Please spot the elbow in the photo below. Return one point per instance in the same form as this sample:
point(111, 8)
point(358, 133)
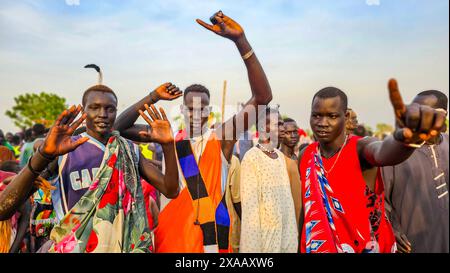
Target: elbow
point(172, 194)
point(264, 100)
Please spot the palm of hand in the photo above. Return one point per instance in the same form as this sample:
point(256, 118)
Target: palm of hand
point(161, 132)
point(58, 141)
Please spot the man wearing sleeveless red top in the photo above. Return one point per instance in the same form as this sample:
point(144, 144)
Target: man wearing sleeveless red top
point(342, 190)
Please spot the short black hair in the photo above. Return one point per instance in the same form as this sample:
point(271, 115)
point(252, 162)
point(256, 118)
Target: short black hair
point(332, 92)
point(39, 129)
point(289, 120)
point(16, 140)
point(98, 88)
point(441, 97)
point(196, 88)
point(28, 133)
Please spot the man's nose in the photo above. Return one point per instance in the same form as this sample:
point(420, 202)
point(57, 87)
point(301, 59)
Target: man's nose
point(103, 112)
point(322, 122)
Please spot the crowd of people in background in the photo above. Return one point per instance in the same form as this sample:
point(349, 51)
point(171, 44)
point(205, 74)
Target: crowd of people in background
point(98, 182)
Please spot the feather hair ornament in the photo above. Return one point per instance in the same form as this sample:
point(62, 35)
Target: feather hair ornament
point(97, 68)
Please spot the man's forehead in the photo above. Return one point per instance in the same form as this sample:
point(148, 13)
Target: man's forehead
point(327, 104)
point(99, 97)
point(291, 125)
point(193, 98)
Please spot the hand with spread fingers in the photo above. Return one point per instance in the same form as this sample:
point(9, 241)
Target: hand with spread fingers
point(167, 91)
point(161, 131)
point(224, 26)
point(58, 141)
point(415, 123)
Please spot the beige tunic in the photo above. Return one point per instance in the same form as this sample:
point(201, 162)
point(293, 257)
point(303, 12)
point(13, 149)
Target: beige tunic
point(268, 213)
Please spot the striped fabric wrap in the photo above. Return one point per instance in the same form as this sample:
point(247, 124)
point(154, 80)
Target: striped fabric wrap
point(321, 235)
point(213, 221)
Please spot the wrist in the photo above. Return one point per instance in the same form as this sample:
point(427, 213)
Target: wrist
point(154, 97)
point(44, 155)
point(241, 41)
point(37, 163)
point(168, 145)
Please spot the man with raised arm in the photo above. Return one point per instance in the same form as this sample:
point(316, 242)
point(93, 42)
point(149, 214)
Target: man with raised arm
point(343, 194)
point(98, 198)
point(198, 220)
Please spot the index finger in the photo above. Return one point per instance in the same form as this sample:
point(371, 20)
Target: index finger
point(396, 99)
point(163, 113)
point(205, 25)
point(145, 117)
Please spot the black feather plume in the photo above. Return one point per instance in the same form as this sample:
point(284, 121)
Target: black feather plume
point(97, 68)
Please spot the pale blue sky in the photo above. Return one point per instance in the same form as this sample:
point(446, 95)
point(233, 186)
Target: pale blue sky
point(303, 46)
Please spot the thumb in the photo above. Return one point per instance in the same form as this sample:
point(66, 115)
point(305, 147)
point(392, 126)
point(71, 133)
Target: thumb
point(403, 134)
point(77, 143)
point(144, 134)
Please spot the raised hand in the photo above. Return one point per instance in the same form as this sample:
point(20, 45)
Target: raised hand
point(414, 122)
point(167, 91)
point(58, 141)
point(161, 130)
point(223, 26)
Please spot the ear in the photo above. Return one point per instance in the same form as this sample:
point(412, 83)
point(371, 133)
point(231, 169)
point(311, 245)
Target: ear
point(347, 114)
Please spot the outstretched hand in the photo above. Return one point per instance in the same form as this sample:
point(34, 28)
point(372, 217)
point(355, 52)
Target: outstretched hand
point(58, 141)
point(224, 26)
point(414, 122)
point(168, 91)
point(161, 131)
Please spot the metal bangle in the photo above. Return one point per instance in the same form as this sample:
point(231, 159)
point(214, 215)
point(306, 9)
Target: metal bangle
point(248, 55)
point(31, 168)
point(415, 145)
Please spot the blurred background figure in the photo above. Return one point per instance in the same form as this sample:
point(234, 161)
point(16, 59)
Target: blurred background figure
point(352, 121)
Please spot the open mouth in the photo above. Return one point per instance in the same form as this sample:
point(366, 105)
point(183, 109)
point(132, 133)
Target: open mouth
point(102, 125)
point(322, 133)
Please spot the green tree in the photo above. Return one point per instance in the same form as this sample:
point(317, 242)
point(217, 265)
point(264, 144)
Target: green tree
point(383, 129)
point(179, 119)
point(41, 108)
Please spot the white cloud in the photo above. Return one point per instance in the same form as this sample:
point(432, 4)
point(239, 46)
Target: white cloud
point(73, 2)
point(373, 2)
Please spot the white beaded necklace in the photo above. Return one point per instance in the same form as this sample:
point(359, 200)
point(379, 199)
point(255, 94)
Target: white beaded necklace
point(264, 149)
